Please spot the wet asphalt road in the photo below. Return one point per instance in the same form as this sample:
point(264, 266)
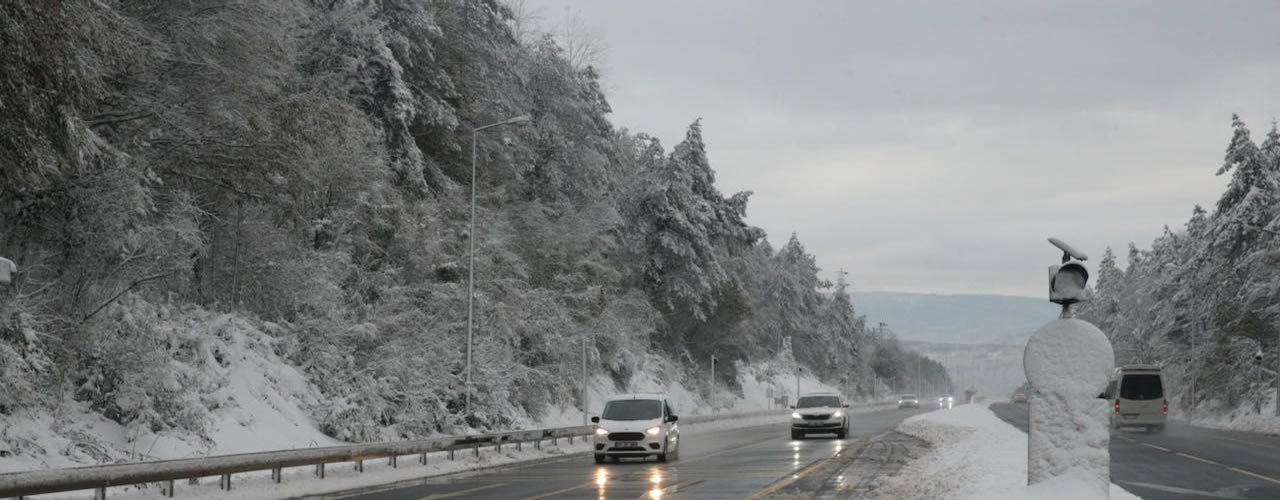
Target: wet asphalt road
point(735, 463)
point(1185, 462)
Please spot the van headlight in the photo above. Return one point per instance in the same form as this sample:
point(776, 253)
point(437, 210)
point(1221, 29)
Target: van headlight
point(838, 414)
point(653, 431)
point(795, 415)
point(601, 431)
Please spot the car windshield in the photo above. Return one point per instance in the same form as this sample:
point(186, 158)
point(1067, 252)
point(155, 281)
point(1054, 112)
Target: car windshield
point(1141, 387)
point(818, 402)
point(633, 409)
point(908, 396)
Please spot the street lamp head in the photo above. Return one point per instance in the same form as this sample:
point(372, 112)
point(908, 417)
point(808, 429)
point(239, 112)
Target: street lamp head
point(519, 120)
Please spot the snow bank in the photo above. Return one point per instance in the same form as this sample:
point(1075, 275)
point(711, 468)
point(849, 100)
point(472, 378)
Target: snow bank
point(977, 456)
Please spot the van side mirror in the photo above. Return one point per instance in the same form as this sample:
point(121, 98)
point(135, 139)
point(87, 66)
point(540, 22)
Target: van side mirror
point(595, 420)
point(792, 407)
point(846, 405)
point(673, 418)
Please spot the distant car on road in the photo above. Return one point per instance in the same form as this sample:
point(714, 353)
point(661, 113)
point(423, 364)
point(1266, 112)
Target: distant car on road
point(908, 401)
point(1137, 395)
point(819, 413)
point(1019, 397)
point(946, 401)
point(637, 425)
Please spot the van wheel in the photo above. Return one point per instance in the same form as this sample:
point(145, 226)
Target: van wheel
point(1156, 429)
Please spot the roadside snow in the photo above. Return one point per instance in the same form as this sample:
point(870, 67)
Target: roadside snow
point(977, 456)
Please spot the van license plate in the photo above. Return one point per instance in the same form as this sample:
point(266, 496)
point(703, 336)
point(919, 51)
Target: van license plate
point(1130, 415)
point(626, 444)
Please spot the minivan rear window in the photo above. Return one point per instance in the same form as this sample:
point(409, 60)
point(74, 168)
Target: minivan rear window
point(1141, 387)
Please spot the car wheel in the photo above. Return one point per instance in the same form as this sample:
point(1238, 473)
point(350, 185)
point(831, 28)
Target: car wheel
point(600, 458)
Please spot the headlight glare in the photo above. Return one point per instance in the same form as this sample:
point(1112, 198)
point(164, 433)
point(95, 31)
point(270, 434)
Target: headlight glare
point(838, 414)
point(795, 414)
point(601, 431)
point(653, 431)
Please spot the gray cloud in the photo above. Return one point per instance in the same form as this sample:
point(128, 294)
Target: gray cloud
point(931, 146)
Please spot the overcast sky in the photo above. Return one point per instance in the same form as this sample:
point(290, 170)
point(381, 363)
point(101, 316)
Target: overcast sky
point(933, 146)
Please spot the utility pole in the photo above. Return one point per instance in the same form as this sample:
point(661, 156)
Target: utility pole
point(585, 399)
point(799, 370)
point(1195, 367)
point(918, 379)
point(713, 383)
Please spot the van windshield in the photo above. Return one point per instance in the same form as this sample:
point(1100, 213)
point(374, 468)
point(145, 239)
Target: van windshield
point(1141, 387)
point(633, 409)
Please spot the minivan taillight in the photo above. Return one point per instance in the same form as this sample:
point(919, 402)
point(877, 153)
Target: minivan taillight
point(1165, 409)
point(1117, 407)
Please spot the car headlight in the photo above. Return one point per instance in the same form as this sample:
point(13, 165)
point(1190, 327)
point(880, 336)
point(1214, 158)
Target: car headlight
point(795, 415)
point(653, 431)
point(838, 414)
point(601, 431)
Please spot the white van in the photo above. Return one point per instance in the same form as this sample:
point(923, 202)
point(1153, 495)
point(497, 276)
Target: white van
point(637, 425)
point(1136, 393)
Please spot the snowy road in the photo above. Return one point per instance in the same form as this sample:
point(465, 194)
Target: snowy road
point(1186, 462)
point(735, 463)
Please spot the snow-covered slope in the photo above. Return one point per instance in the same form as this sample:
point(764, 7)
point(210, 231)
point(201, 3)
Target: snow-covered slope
point(254, 400)
point(251, 400)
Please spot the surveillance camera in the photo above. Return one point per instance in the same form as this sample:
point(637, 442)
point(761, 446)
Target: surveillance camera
point(1068, 251)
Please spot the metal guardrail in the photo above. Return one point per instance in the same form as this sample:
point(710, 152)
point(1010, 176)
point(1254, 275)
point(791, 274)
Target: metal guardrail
point(165, 472)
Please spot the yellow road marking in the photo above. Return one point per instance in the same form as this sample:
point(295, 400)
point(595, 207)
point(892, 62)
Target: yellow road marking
point(796, 476)
point(1193, 457)
point(436, 496)
point(1254, 474)
point(1149, 445)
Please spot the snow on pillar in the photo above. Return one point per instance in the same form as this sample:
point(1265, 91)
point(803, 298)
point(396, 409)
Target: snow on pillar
point(1068, 362)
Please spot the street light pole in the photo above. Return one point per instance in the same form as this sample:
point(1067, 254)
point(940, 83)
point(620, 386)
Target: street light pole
point(585, 399)
point(471, 247)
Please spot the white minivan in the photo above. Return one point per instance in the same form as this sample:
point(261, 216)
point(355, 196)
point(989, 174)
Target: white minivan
point(637, 425)
point(1136, 393)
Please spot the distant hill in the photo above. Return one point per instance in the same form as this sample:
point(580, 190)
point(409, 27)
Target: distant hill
point(956, 319)
point(992, 369)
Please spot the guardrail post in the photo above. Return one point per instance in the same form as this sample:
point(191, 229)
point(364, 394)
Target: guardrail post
point(224, 482)
point(571, 439)
point(553, 441)
point(477, 449)
point(498, 447)
point(360, 466)
point(166, 488)
point(451, 454)
point(320, 471)
point(423, 458)
point(100, 494)
point(276, 472)
point(392, 461)
point(519, 445)
point(537, 444)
